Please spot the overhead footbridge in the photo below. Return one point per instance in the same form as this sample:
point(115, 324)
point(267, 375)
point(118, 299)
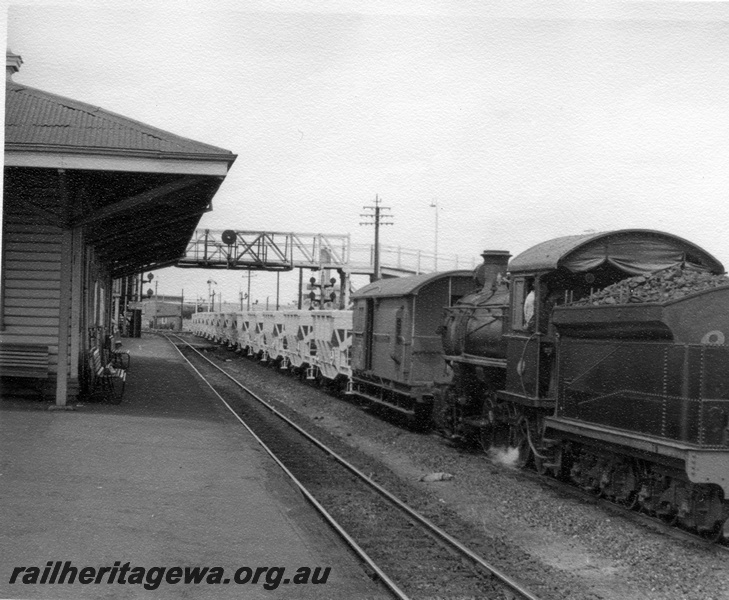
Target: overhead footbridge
point(285, 251)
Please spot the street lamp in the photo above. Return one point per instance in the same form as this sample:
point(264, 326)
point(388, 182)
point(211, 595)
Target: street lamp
point(434, 204)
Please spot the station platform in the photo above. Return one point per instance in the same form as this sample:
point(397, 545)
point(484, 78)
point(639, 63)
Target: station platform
point(167, 479)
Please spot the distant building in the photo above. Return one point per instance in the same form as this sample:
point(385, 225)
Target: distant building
point(166, 313)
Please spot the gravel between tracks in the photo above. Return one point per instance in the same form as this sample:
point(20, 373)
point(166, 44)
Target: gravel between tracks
point(558, 545)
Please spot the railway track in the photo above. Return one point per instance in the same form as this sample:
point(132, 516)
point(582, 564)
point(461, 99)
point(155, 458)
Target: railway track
point(637, 517)
point(407, 553)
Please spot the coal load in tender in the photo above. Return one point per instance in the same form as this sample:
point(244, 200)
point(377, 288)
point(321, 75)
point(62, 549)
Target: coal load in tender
point(661, 286)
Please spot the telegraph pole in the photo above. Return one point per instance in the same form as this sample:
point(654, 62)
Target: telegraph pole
point(377, 219)
point(248, 305)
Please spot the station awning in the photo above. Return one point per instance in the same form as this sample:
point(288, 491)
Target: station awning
point(137, 191)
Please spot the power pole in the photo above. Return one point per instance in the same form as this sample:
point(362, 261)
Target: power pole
point(377, 219)
point(248, 305)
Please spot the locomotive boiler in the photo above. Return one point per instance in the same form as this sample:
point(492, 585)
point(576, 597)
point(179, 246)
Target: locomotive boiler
point(474, 349)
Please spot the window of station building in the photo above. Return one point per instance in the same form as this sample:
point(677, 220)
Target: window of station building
point(2, 275)
point(95, 305)
point(99, 305)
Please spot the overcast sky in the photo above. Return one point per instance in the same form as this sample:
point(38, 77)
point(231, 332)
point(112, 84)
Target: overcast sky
point(522, 123)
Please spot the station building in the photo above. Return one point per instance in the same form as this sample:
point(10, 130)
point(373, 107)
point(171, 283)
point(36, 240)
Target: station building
point(89, 197)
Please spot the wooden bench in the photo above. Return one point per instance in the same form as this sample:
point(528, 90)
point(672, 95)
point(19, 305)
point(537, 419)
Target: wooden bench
point(27, 361)
point(121, 359)
point(109, 379)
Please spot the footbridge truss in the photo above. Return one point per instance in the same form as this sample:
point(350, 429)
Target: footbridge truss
point(285, 251)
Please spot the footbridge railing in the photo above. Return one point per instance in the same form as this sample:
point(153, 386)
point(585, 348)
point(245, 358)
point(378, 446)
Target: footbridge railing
point(265, 250)
point(285, 251)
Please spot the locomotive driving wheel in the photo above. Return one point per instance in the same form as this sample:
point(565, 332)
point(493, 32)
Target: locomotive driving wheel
point(632, 500)
point(444, 413)
point(720, 532)
point(519, 442)
point(493, 432)
point(667, 513)
point(486, 433)
point(486, 436)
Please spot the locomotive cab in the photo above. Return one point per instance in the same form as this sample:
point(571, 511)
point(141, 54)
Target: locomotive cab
point(530, 338)
point(547, 275)
point(559, 272)
point(529, 343)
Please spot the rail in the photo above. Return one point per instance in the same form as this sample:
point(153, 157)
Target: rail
point(446, 539)
point(391, 586)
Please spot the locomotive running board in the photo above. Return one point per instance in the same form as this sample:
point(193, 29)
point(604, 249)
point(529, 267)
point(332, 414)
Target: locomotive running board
point(377, 400)
point(620, 437)
point(481, 361)
point(548, 402)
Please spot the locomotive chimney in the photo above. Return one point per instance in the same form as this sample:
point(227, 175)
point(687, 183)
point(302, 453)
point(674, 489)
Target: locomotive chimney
point(12, 63)
point(494, 264)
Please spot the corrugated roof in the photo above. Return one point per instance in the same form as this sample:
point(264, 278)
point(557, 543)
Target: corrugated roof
point(404, 286)
point(548, 255)
point(37, 118)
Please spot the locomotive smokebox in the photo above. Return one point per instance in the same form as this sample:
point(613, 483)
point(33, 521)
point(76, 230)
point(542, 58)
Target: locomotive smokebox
point(474, 326)
point(494, 265)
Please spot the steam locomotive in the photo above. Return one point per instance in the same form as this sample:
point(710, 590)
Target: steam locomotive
point(628, 399)
point(626, 395)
